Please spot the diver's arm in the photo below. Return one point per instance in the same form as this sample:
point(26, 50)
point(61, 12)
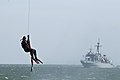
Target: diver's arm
point(28, 41)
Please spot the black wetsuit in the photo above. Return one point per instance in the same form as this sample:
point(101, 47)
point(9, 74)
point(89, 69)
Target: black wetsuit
point(26, 46)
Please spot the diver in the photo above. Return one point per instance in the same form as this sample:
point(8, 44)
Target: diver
point(27, 48)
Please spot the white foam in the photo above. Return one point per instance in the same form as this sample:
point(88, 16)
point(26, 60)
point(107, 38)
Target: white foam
point(6, 77)
point(93, 78)
point(24, 76)
point(91, 73)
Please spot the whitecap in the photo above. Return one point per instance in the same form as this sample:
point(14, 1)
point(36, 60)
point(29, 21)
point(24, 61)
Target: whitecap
point(24, 76)
point(93, 78)
point(91, 73)
point(67, 76)
point(6, 77)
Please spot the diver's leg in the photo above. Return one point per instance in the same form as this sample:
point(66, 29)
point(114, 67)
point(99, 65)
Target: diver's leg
point(32, 56)
point(36, 56)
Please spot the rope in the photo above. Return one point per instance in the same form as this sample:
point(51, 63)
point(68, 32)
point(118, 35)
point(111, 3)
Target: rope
point(28, 29)
point(28, 32)
point(31, 64)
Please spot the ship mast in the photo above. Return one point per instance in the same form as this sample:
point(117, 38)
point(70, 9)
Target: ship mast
point(98, 47)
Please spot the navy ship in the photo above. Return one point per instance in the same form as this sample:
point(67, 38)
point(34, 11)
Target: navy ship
point(96, 59)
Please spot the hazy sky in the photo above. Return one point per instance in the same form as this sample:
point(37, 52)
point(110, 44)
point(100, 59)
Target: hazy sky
point(62, 31)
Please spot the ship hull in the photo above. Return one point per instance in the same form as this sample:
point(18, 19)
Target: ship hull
point(89, 64)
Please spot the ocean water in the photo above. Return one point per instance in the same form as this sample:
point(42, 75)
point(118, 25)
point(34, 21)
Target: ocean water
point(56, 72)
